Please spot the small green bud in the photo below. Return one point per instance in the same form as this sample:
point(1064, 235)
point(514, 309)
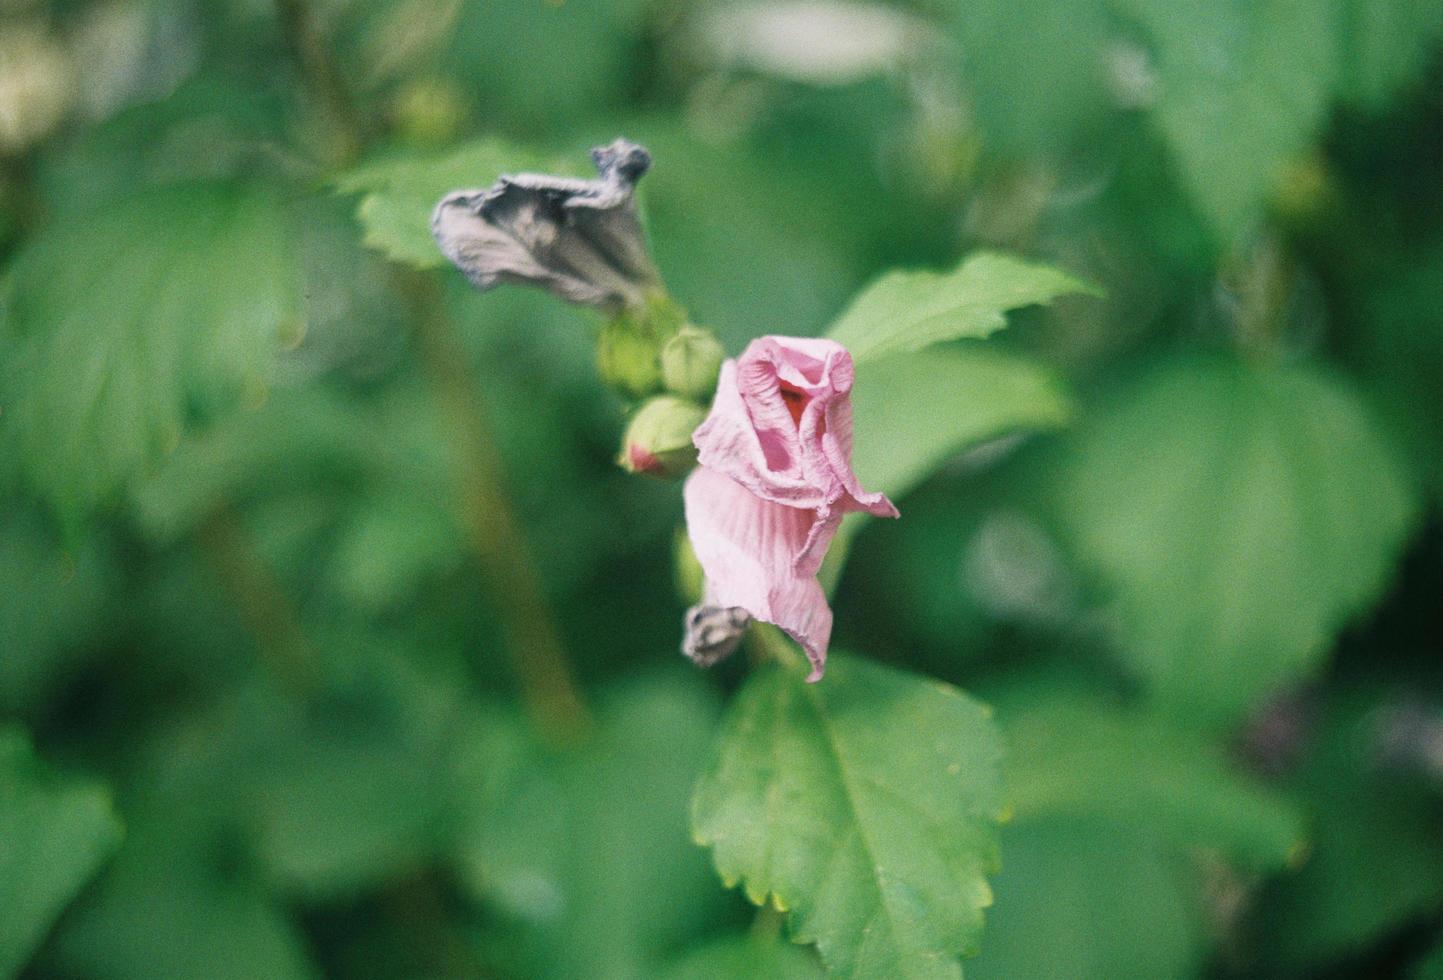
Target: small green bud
point(627, 358)
point(628, 350)
point(690, 362)
point(658, 440)
point(690, 580)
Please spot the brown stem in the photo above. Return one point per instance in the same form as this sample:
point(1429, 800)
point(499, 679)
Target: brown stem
point(322, 77)
point(268, 614)
point(499, 543)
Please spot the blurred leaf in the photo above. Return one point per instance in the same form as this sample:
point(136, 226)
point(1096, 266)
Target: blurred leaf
point(914, 411)
point(120, 323)
point(399, 193)
point(753, 957)
point(1243, 88)
point(1038, 69)
point(1088, 900)
point(52, 602)
point(539, 64)
point(54, 836)
point(1376, 862)
point(866, 804)
point(1239, 515)
point(1077, 755)
point(907, 311)
point(587, 848)
point(1401, 347)
point(1432, 966)
point(1386, 45)
point(296, 439)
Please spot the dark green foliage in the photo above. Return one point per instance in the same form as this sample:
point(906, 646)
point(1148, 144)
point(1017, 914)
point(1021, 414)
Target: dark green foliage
point(334, 643)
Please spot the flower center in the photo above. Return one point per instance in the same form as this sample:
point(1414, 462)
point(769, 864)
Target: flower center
point(796, 401)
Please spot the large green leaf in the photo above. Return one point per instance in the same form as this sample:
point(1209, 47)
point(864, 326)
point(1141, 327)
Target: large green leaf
point(399, 193)
point(909, 310)
point(1089, 900)
point(867, 806)
point(1073, 754)
point(119, 325)
point(913, 411)
point(586, 848)
point(54, 835)
point(1239, 515)
point(1243, 86)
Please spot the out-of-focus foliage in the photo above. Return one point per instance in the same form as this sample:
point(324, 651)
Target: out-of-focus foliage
point(334, 643)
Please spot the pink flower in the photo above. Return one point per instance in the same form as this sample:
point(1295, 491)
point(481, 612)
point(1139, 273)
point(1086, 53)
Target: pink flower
point(774, 482)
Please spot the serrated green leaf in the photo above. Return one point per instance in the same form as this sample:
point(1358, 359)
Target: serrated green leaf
point(866, 805)
point(1076, 755)
point(1239, 515)
point(1243, 88)
point(587, 848)
point(910, 310)
point(399, 193)
point(1089, 900)
point(54, 836)
point(119, 325)
point(752, 957)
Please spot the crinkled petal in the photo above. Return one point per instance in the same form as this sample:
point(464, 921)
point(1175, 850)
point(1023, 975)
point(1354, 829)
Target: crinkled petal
point(581, 239)
point(803, 462)
point(747, 548)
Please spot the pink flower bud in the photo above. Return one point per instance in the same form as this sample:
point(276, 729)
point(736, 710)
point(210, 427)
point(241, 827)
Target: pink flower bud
point(774, 483)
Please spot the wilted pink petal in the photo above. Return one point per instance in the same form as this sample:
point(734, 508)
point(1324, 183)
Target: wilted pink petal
point(748, 546)
point(775, 481)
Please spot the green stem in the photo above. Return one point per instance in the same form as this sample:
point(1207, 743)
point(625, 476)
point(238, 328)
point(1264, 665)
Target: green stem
point(268, 615)
point(497, 539)
point(322, 78)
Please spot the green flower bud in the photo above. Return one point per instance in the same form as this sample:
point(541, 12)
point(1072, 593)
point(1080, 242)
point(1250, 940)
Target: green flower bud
point(687, 570)
point(690, 362)
point(628, 350)
point(658, 440)
point(628, 359)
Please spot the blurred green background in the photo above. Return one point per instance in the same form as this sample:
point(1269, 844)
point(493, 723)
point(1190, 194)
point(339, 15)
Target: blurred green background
point(333, 642)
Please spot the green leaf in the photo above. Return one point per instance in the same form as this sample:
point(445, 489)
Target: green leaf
point(1243, 87)
point(54, 836)
point(53, 605)
point(914, 411)
point(1088, 900)
point(1239, 515)
point(399, 193)
point(1073, 754)
point(866, 805)
point(909, 310)
point(1038, 70)
point(1386, 45)
point(587, 848)
point(120, 324)
point(756, 957)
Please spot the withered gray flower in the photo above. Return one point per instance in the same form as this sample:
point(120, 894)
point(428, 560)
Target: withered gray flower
point(713, 632)
point(581, 239)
